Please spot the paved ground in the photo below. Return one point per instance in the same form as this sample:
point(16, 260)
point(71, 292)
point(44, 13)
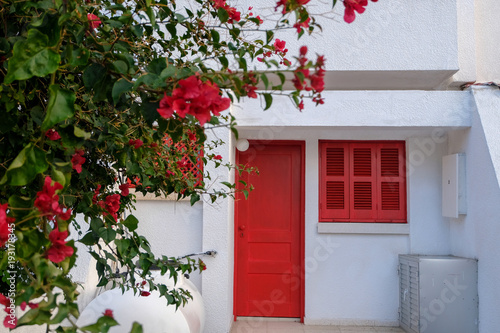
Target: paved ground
point(294, 327)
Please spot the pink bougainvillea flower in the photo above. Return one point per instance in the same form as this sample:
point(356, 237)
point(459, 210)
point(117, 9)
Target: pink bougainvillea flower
point(31, 305)
point(250, 90)
point(301, 105)
point(279, 45)
point(303, 50)
point(52, 134)
point(77, 160)
point(217, 157)
point(124, 189)
point(136, 143)
point(354, 5)
point(9, 322)
point(111, 205)
point(145, 293)
point(47, 201)
point(4, 224)
point(300, 25)
point(108, 313)
point(96, 193)
point(195, 97)
point(59, 251)
point(94, 21)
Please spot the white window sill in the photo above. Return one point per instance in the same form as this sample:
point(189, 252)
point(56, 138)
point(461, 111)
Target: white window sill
point(364, 228)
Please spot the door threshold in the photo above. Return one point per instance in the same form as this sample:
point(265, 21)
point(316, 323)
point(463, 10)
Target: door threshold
point(241, 318)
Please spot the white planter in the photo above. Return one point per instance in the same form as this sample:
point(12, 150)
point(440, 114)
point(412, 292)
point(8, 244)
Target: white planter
point(150, 311)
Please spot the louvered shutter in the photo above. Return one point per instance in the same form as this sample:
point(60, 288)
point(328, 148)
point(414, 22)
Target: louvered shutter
point(363, 194)
point(334, 182)
point(391, 178)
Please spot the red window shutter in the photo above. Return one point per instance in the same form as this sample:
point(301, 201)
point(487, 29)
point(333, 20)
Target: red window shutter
point(391, 172)
point(363, 194)
point(334, 182)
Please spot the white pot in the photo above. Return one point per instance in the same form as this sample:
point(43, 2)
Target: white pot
point(150, 311)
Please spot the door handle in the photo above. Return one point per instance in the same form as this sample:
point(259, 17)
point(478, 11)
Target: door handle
point(242, 228)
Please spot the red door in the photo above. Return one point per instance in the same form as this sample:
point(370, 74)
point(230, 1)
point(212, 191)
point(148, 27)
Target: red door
point(269, 232)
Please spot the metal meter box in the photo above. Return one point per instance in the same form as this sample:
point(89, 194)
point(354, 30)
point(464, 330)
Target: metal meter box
point(438, 294)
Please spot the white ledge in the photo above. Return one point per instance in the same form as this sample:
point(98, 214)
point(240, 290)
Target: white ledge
point(152, 197)
point(364, 228)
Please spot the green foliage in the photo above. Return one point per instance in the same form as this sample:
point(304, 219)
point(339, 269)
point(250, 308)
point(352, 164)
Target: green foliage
point(79, 96)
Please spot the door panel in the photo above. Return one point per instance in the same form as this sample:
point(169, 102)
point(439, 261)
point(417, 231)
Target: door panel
point(268, 233)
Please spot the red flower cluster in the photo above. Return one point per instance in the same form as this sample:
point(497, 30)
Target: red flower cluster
point(47, 201)
point(94, 21)
point(217, 157)
point(59, 251)
point(234, 15)
point(317, 83)
point(299, 24)
point(77, 160)
point(136, 143)
point(52, 134)
point(251, 88)
point(354, 5)
point(196, 98)
point(10, 320)
point(124, 189)
point(4, 224)
point(111, 205)
point(108, 313)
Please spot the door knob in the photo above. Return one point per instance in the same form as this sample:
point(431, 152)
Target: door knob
point(241, 227)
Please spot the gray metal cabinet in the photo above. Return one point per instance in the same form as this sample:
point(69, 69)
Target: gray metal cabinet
point(438, 294)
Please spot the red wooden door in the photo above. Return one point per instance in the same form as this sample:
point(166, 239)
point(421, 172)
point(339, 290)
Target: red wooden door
point(269, 233)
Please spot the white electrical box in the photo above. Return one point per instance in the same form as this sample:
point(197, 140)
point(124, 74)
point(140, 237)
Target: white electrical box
point(454, 197)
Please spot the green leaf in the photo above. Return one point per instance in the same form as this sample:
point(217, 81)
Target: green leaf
point(107, 234)
point(120, 66)
point(215, 36)
point(222, 14)
point(265, 80)
point(149, 112)
point(80, 57)
point(269, 100)
point(32, 57)
point(81, 133)
point(61, 106)
point(93, 74)
point(89, 239)
point(136, 328)
point(30, 162)
point(131, 222)
point(194, 198)
point(269, 36)
point(121, 86)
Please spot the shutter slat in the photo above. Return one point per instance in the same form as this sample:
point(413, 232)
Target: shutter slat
point(335, 162)
point(363, 195)
point(362, 162)
point(335, 195)
point(389, 162)
point(390, 196)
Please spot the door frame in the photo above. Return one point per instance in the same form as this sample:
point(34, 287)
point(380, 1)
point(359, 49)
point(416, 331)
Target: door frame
point(302, 145)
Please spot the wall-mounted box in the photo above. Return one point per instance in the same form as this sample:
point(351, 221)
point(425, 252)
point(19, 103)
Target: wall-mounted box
point(454, 197)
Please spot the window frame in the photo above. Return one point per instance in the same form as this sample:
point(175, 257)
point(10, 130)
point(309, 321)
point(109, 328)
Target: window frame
point(347, 213)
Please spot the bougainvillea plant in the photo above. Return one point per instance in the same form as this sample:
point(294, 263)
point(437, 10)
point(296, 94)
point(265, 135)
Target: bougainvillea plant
point(89, 92)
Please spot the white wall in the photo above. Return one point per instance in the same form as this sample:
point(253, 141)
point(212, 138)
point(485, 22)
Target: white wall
point(173, 228)
point(476, 234)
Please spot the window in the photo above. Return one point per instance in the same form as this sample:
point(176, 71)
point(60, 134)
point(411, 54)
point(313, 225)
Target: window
point(362, 181)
